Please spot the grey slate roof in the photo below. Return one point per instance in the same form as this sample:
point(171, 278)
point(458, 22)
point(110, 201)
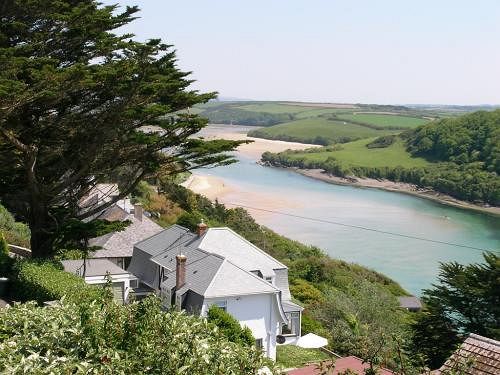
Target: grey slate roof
point(199, 273)
point(121, 243)
point(218, 263)
point(95, 267)
point(173, 236)
point(411, 302)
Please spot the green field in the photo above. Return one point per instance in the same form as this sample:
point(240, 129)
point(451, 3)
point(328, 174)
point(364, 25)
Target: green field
point(273, 108)
point(384, 120)
point(356, 154)
point(307, 130)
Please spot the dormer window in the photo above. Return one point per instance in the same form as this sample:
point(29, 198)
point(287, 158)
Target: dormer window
point(269, 280)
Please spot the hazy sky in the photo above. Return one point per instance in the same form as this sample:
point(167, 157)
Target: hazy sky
point(371, 51)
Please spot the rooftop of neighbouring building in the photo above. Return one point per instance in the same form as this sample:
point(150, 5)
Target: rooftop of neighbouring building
point(477, 355)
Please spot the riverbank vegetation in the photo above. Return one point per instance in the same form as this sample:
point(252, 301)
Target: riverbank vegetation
point(456, 156)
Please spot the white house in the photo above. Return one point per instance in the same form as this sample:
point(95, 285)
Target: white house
point(217, 266)
point(96, 272)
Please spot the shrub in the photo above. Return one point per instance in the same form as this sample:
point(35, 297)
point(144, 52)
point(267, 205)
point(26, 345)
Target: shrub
point(230, 327)
point(112, 339)
point(305, 291)
point(5, 261)
point(46, 281)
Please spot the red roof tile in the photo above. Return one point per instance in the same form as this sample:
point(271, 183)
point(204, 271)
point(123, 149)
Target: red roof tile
point(352, 363)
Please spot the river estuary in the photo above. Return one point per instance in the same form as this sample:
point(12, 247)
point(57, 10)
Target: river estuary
point(413, 263)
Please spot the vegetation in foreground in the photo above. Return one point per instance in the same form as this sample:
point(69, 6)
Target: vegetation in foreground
point(456, 156)
point(102, 337)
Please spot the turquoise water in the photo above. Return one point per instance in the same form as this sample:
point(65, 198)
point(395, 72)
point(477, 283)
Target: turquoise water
point(413, 263)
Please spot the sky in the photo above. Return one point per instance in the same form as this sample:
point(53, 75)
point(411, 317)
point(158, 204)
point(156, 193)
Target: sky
point(349, 51)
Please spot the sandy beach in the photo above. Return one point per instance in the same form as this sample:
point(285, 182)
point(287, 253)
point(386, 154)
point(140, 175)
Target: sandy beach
point(257, 146)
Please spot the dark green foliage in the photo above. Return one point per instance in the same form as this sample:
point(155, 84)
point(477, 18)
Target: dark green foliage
point(466, 139)
point(465, 300)
point(74, 98)
point(6, 261)
point(47, 281)
point(382, 142)
point(226, 114)
point(230, 327)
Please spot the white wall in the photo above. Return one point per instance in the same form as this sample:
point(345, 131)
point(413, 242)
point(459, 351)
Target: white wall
point(123, 278)
point(257, 312)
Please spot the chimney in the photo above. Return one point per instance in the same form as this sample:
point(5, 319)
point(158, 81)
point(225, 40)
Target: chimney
point(138, 211)
point(201, 229)
point(180, 271)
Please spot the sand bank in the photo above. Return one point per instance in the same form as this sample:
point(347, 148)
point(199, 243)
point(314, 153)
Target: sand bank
point(400, 187)
point(258, 146)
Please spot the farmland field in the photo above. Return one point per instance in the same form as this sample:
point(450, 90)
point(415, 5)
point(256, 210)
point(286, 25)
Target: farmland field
point(307, 130)
point(356, 154)
point(384, 120)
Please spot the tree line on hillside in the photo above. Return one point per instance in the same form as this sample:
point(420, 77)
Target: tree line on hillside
point(232, 115)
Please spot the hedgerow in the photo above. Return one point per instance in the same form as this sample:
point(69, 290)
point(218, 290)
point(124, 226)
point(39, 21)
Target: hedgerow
point(138, 338)
point(47, 281)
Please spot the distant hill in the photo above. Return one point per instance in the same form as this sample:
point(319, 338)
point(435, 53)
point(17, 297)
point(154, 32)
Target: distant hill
point(456, 156)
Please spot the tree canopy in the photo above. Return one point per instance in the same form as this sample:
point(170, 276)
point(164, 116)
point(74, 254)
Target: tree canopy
point(81, 104)
point(465, 300)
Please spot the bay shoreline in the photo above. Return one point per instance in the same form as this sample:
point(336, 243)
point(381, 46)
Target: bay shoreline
point(396, 187)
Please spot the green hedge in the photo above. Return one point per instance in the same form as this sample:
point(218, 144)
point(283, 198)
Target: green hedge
point(47, 281)
point(230, 327)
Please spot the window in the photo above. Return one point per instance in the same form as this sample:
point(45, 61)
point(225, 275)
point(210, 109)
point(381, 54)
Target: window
point(134, 283)
point(221, 304)
point(269, 280)
point(293, 327)
point(259, 344)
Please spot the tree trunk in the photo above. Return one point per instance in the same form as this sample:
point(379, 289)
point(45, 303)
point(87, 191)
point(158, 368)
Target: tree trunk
point(42, 238)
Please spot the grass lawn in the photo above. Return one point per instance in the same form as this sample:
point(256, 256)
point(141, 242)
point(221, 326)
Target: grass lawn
point(293, 356)
point(310, 128)
point(385, 120)
point(357, 154)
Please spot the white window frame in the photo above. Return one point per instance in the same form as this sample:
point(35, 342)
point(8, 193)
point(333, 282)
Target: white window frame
point(221, 304)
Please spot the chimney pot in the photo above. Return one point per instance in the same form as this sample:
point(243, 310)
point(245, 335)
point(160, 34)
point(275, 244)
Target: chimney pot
point(180, 271)
point(201, 229)
point(138, 211)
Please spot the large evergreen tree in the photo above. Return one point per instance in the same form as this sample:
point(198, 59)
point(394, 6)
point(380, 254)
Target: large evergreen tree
point(75, 99)
point(466, 300)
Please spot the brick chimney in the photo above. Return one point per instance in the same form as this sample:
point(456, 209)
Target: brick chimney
point(180, 271)
point(201, 229)
point(138, 211)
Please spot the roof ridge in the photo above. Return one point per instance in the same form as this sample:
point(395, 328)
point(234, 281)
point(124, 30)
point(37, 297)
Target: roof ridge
point(251, 244)
point(253, 275)
point(483, 339)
